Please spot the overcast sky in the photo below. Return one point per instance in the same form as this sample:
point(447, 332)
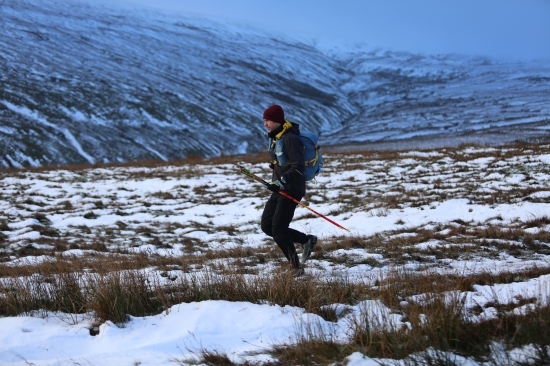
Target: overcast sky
point(498, 28)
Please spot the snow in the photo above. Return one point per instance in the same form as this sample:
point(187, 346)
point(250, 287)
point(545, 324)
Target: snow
point(36, 116)
point(238, 328)
point(235, 327)
point(215, 196)
point(69, 136)
point(24, 223)
point(358, 359)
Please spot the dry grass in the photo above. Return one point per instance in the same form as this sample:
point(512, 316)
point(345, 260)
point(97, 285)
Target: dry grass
point(112, 279)
point(437, 323)
point(106, 287)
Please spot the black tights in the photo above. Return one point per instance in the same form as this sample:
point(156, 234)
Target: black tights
point(276, 218)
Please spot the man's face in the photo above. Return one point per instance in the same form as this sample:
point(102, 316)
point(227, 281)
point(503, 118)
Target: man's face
point(270, 125)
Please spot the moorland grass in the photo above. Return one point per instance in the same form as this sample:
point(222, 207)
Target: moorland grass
point(109, 283)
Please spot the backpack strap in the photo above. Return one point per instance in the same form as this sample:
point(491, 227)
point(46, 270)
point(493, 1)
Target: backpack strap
point(313, 161)
point(272, 148)
point(277, 145)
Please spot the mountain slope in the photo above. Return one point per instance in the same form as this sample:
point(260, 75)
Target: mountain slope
point(403, 95)
point(84, 83)
point(89, 83)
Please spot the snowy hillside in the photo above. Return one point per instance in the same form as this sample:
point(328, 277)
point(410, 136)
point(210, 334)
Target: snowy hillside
point(89, 83)
point(402, 95)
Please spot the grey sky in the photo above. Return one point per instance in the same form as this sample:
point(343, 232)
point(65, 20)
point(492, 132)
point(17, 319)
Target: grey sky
point(498, 28)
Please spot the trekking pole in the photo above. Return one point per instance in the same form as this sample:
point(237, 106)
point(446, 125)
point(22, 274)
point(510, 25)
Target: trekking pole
point(247, 172)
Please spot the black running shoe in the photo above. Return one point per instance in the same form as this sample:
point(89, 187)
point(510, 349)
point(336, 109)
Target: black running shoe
point(308, 247)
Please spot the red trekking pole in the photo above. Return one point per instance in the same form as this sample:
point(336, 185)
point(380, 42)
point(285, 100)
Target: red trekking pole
point(255, 177)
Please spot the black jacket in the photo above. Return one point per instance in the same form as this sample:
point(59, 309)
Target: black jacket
point(293, 171)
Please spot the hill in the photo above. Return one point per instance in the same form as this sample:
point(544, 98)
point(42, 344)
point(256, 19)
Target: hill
point(85, 83)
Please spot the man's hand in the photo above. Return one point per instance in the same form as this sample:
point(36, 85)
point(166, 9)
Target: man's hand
point(275, 186)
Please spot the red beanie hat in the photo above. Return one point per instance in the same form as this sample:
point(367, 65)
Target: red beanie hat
point(275, 113)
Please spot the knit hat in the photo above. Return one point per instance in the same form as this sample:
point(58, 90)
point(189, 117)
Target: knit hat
point(275, 113)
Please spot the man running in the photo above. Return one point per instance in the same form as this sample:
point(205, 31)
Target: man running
point(287, 162)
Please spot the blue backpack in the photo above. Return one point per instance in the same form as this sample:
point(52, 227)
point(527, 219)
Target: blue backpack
point(312, 157)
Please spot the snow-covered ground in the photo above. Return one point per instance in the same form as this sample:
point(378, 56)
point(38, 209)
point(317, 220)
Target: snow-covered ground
point(395, 195)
